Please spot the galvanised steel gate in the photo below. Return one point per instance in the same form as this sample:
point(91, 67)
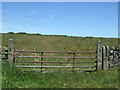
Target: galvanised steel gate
point(72, 62)
point(43, 63)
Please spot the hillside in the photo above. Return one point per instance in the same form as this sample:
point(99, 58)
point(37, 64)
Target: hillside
point(55, 43)
point(13, 77)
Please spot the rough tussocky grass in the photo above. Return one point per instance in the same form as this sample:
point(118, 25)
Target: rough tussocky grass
point(14, 78)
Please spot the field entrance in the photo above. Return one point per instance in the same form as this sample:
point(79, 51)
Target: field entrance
point(55, 61)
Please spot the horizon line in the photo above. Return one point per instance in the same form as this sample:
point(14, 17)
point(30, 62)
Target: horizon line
point(56, 35)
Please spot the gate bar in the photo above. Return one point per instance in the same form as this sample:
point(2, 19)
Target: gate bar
point(56, 66)
point(49, 57)
point(50, 62)
point(54, 51)
point(58, 70)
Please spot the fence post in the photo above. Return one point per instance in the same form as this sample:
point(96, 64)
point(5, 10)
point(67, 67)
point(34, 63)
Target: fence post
point(10, 51)
point(107, 55)
point(99, 56)
point(105, 59)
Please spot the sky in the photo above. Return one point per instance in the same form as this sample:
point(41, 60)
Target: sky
point(96, 19)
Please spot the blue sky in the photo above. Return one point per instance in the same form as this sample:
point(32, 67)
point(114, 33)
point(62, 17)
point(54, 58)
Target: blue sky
point(97, 19)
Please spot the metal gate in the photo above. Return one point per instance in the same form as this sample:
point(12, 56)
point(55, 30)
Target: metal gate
point(58, 61)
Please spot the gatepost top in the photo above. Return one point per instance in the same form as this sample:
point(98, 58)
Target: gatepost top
point(99, 41)
point(10, 39)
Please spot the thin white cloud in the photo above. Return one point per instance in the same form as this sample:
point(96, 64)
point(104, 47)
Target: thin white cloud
point(52, 17)
point(32, 13)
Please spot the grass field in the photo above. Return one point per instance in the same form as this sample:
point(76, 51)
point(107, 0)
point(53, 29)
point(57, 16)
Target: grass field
point(15, 78)
point(56, 43)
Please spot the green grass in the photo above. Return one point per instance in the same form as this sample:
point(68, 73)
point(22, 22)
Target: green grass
point(54, 43)
point(13, 77)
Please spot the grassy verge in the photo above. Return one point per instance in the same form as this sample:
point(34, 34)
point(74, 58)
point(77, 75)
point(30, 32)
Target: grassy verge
point(14, 78)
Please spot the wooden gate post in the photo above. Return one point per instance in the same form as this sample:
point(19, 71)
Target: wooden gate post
point(105, 59)
point(10, 51)
point(99, 56)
